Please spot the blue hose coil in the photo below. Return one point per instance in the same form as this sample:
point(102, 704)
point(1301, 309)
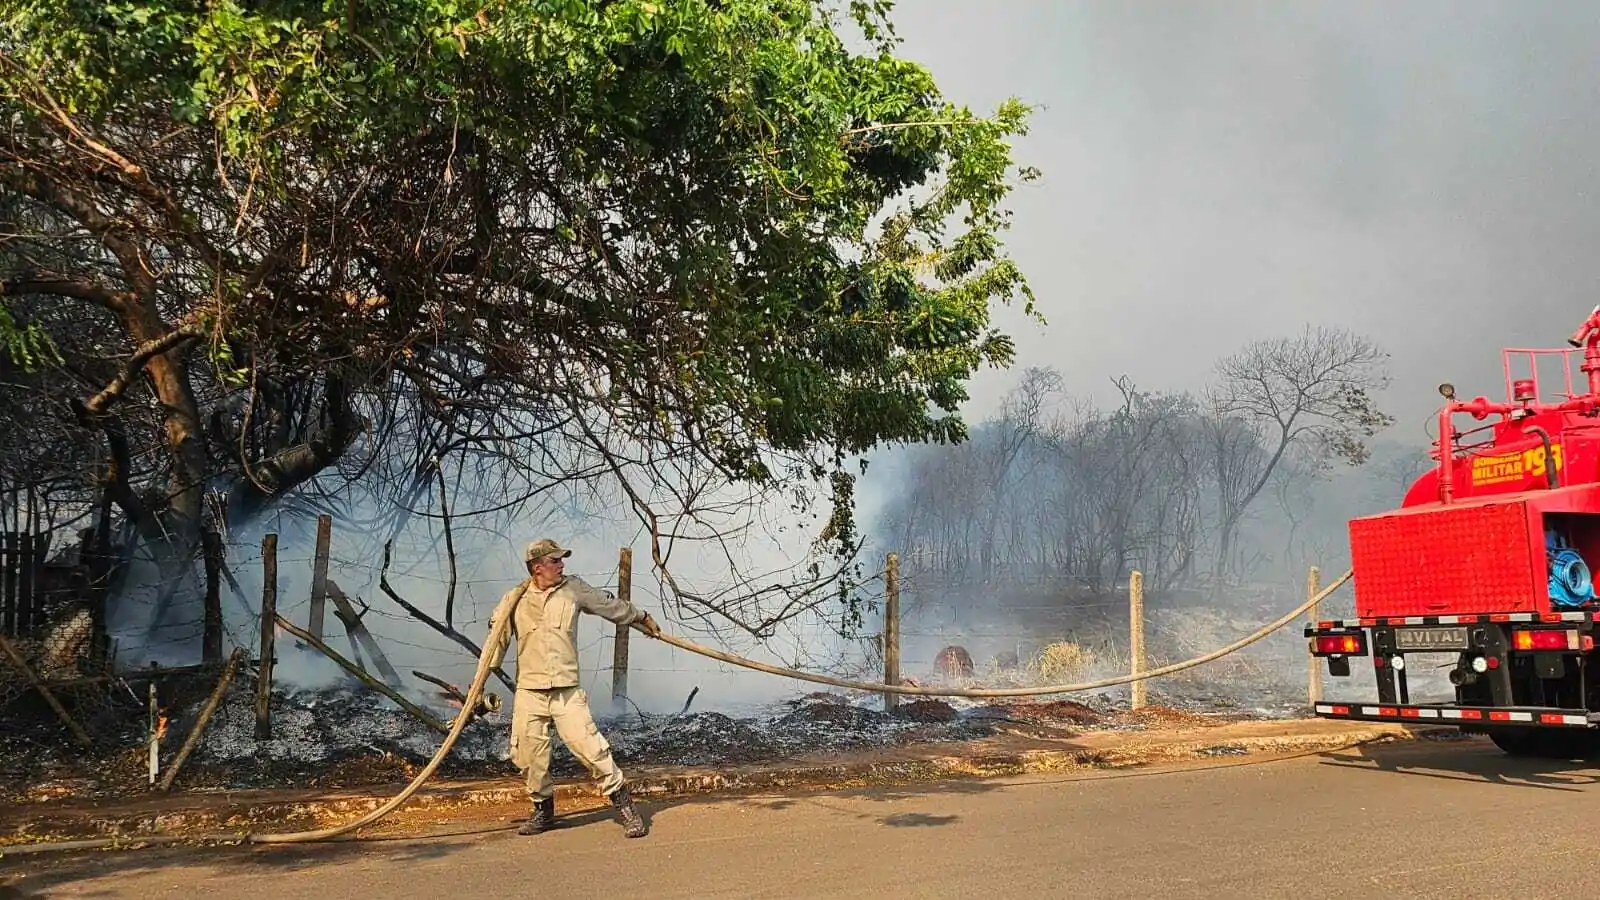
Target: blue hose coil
point(1571, 585)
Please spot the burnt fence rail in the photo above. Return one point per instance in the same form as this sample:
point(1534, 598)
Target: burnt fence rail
point(51, 606)
point(23, 602)
point(56, 681)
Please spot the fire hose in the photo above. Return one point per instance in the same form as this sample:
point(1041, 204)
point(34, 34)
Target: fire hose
point(475, 693)
point(1245, 641)
point(468, 707)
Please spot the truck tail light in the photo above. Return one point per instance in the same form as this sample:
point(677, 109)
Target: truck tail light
point(1340, 643)
point(1544, 639)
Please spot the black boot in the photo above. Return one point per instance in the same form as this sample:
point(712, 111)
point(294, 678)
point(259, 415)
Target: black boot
point(632, 823)
point(543, 818)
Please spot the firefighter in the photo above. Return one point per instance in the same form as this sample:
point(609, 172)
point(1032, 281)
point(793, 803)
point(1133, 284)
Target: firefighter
point(544, 612)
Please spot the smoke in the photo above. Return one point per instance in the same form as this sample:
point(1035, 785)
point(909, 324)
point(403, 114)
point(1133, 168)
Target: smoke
point(488, 562)
point(1219, 172)
point(1009, 561)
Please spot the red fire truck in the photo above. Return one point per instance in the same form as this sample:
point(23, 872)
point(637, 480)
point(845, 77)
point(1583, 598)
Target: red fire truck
point(1484, 562)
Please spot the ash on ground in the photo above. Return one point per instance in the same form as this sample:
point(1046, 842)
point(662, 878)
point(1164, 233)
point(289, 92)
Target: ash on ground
point(317, 737)
point(351, 736)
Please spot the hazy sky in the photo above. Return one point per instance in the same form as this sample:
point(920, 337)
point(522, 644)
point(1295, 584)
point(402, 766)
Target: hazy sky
point(1215, 172)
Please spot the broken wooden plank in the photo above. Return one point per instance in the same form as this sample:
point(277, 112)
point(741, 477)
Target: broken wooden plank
point(212, 702)
point(415, 710)
point(359, 634)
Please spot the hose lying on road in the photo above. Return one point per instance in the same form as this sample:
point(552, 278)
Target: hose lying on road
point(475, 693)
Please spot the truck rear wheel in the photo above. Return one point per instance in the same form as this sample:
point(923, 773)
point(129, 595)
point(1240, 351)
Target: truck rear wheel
point(1545, 744)
point(1516, 741)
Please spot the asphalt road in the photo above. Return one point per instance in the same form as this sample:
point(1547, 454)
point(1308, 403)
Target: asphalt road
point(1415, 820)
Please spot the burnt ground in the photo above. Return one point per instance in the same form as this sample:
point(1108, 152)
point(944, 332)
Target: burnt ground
point(354, 738)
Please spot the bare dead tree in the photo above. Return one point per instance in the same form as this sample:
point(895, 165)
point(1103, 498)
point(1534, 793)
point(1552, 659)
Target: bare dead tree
point(1004, 440)
point(1312, 390)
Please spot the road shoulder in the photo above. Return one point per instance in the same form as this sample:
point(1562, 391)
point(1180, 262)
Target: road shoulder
point(242, 811)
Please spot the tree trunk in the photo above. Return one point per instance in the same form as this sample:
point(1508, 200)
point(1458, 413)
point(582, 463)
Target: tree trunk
point(293, 466)
point(1225, 535)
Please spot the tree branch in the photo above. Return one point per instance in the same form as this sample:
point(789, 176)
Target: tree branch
point(450, 549)
point(113, 233)
point(59, 285)
point(431, 622)
point(172, 340)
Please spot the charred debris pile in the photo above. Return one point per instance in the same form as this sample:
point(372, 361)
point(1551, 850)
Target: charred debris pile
point(350, 736)
point(371, 730)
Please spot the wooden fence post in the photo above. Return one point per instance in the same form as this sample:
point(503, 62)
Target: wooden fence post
point(269, 628)
point(153, 733)
point(319, 575)
point(619, 647)
point(891, 628)
point(1313, 663)
point(1136, 635)
point(30, 552)
point(10, 568)
point(211, 648)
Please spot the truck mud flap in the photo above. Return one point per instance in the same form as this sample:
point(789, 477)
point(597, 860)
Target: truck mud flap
point(1475, 716)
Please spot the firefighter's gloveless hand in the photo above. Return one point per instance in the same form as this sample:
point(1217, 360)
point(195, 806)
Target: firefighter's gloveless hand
point(650, 627)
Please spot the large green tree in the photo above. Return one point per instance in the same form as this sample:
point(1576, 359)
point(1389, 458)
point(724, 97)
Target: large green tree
point(247, 246)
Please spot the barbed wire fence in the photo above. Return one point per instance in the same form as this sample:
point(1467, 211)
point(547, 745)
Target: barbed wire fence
point(961, 635)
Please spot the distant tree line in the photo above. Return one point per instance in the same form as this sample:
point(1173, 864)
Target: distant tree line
point(1256, 471)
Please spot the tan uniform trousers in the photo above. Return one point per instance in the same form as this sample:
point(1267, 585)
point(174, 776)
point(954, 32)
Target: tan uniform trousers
point(568, 709)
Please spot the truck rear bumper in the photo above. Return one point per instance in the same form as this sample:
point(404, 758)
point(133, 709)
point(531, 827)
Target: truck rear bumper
point(1450, 714)
point(1580, 616)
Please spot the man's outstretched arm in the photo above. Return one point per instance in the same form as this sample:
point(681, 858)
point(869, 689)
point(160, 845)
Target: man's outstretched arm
point(613, 608)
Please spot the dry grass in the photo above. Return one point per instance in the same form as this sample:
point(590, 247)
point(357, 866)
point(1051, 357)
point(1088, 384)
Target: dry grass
point(1062, 662)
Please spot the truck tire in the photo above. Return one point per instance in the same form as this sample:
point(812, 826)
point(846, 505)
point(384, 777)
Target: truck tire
point(1546, 744)
point(1516, 741)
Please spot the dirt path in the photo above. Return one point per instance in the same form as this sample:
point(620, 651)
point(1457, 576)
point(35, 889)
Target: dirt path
point(1024, 751)
point(1360, 828)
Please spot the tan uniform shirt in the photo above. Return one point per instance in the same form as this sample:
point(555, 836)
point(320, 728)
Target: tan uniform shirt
point(546, 627)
